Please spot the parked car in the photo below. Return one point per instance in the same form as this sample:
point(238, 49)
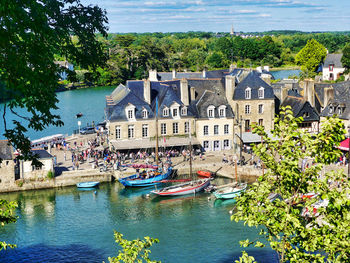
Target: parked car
point(87, 130)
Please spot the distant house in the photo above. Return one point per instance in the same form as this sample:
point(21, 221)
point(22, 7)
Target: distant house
point(332, 67)
point(64, 65)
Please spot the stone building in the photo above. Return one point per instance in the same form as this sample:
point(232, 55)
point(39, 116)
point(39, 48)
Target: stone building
point(7, 164)
point(29, 171)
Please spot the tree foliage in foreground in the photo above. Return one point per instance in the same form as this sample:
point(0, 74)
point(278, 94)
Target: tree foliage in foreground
point(310, 57)
point(31, 34)
point(133, 251)
point(345, 60)
point(7, 216)
point(295, 234)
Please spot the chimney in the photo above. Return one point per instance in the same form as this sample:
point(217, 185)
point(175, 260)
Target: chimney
point(284, 91)
point(152, 75)
point(230, 85)
point(308, 91)
point(204, 74)
point(267, 68)
point(232, 67)
point(184, 92)
point(266, 78)
point(193, 93)
point(328, 95)
point(147, 90)
point(259, 69)
point(174, 74)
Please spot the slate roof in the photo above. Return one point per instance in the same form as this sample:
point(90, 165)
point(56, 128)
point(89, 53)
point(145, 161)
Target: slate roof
point(254, 82)
point(341, 99)
point(334, 59)
point(209, 98)
point(6, 150)
point(301, 108)
point(42, 154)
point(179, 75)
point(209, 84)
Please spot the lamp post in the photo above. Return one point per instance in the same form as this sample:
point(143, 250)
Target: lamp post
point(79, 124)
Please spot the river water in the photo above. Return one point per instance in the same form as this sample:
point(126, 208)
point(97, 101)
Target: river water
point(70, 225)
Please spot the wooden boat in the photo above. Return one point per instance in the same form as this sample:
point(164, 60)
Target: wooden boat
point(142, 180)
point(87, 184)
point(191, 187)
point(230, 192)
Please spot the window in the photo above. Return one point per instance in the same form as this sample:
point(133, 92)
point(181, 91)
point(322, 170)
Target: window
point(184, 111)
point(261, 122)
point(117, 132)
point(226, 129)
point(261, 108)
point(330, 109)
point(187, 127)
point(205, 130)
point(261, 93)
point(226, 144)
point(247, 125)
point(222, 111)
point(163, 128)
point(175, 128)
point(144, 130)
point(211, 110)
point(144, 114)
point(216, 129)
point(340, 111)
point(306, 115)
point(131, 131)
point(247, 109)
point(206, 144)
point(175, 112)
point(216, 145)
point(248, 92)
point(331, 67)
point(130, 114)
point(165, 112)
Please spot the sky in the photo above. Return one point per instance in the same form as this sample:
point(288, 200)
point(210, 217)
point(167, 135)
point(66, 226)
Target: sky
point(218, 16)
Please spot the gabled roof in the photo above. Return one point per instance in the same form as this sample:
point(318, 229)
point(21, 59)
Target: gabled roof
point(209, 98)
point(42, 154)
point(333, 59)
point(254, 82)
point(301, 108)
point(6, 150)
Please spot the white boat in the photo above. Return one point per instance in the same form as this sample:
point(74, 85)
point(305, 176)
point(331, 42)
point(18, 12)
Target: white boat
point(184, 189)
point(230, 192)
point(87, 184)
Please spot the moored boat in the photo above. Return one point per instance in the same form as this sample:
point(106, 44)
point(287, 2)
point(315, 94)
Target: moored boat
point(143, 180)
point(87, 184)
point(204, 173)
point(191, 187)
point(230, 192)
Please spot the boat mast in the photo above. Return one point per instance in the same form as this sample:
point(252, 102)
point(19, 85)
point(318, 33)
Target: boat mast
point(156, 152)
point(190, 149)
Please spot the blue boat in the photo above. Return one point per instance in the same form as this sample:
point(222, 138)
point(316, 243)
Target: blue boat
point(137, 180)
point(87, 184)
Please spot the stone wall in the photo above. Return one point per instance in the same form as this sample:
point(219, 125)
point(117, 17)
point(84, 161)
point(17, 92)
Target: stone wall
point(7, 172)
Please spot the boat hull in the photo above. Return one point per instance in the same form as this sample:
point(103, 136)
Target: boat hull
point(183, 189)
point(205, 174)
point(220, 194)
point(132, 180)
point(87, 184)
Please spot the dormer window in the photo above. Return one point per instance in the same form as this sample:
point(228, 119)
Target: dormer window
point(261, 93)
point(331, 67)
point(211, 113)
point(165, 112)
point(130, 112)
point(184, 111)
point(222, 111)
point(340, 111)
point(144, 114)
point(330, 109)
point(248, 93)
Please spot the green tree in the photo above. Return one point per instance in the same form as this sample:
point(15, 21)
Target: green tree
point(310, 57)
point(345, 60)
point(133, 251)
point(297, 234)
point(31, 33)
point(7, 216)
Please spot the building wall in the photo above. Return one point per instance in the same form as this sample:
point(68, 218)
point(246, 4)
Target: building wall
point(212, 142)
point(7, 171)
point(30, 172)
point(336, 72)
point(151, 127)
point(267, 116)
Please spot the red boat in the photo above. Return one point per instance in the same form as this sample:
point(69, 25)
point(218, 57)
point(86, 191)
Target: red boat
point(203, 173)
